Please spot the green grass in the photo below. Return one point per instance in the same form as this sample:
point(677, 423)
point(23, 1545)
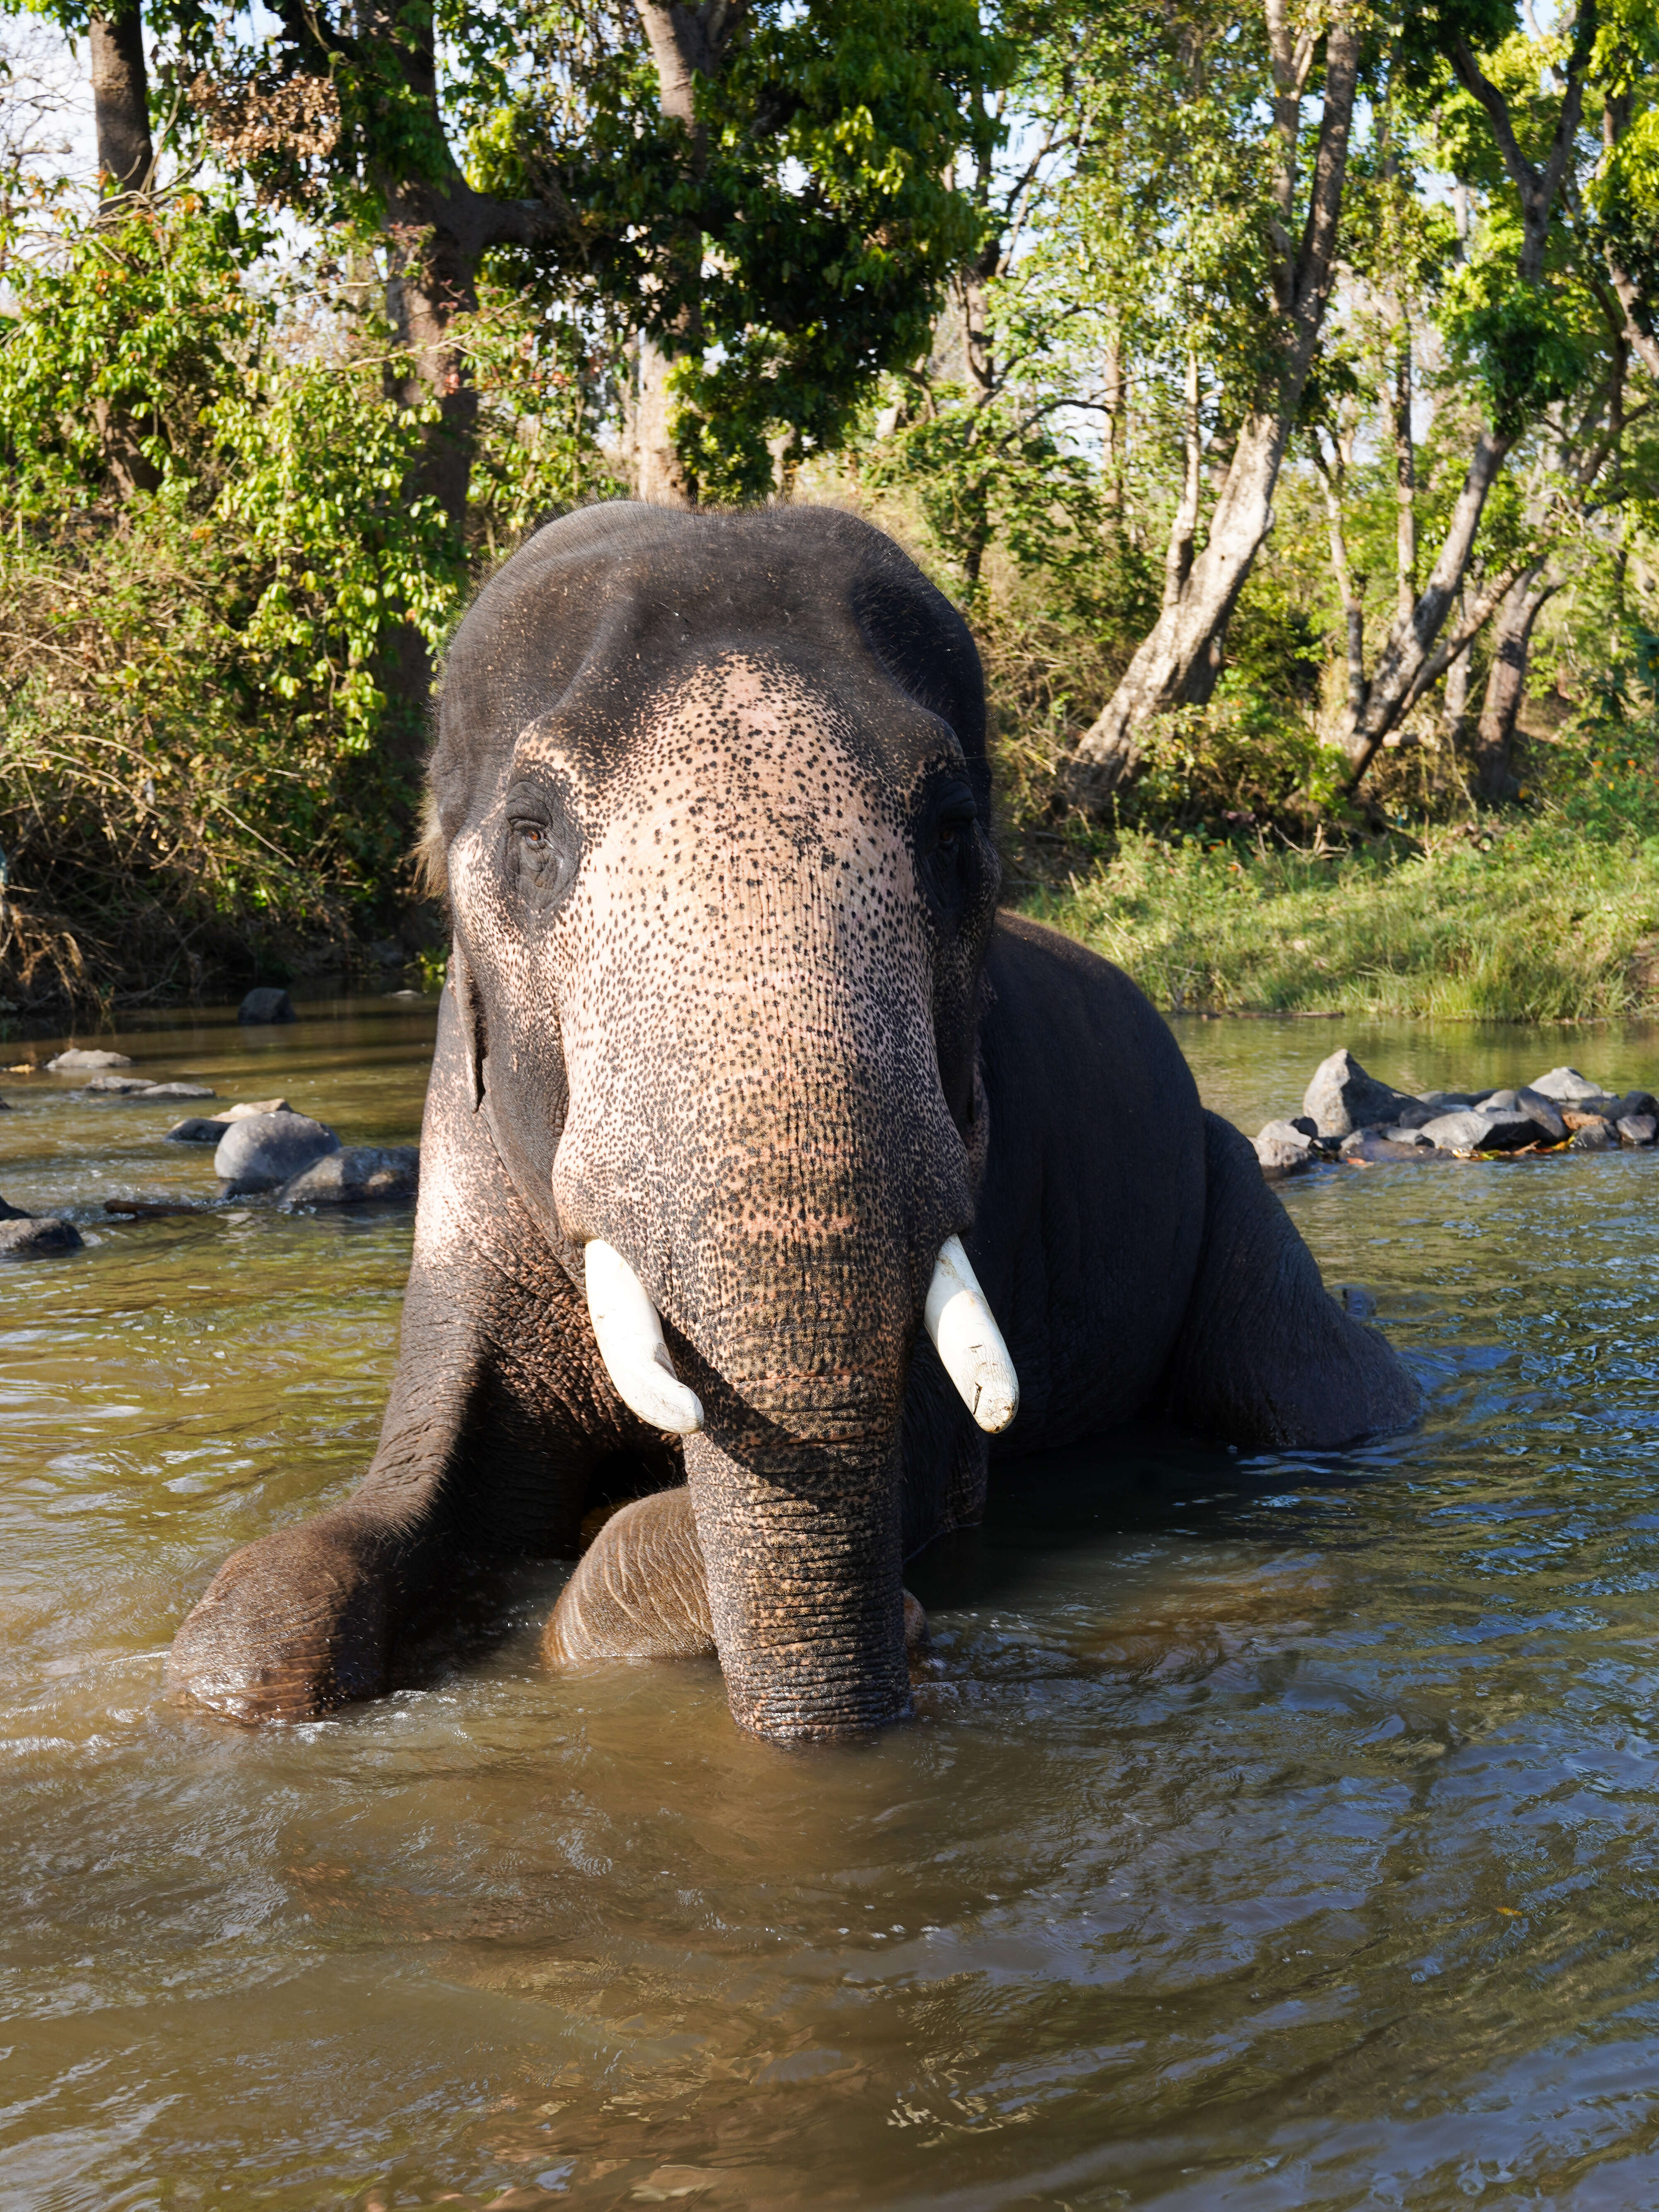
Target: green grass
point(1540, 918)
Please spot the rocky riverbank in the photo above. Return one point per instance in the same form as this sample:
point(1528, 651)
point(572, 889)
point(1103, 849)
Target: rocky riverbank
point(262, 1148)
point(1349, 1115)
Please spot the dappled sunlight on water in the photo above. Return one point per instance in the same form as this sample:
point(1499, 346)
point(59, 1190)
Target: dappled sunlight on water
point(1275, 1833)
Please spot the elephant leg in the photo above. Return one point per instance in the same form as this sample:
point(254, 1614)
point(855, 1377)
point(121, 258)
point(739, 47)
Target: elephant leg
point(477, 1456)
point(1265, 1356)
point(641, 1591)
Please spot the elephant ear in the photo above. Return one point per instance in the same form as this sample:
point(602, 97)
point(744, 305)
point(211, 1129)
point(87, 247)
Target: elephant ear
point(928, 650)
point(470, 1007)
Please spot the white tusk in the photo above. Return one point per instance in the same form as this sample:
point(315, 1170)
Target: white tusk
point(968, 1340)
point(631, 1343)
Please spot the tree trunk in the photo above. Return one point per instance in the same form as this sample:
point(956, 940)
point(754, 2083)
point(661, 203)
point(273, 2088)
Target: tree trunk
point(1616, 115)
point(1506, 685)
point(1409, 665)
point(1114, 455)
point(438, 230)
point(1405, 474)
point(686, 43)
point(1185, 642)
point(1352, 587)
point(1405, 654)
point(1183, 530)
point(120, 103)
point(1454, 710)
point(126, 164)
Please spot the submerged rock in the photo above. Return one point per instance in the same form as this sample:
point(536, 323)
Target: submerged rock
point(176, 1091)
point(76, 1062)
point(195, 1131)
point(1342, 1096)
point(1594, 1133)
point(355, 1173)
point(267, 1149)
point(1366, 1147)
point(207, 1129)
point(119, 1086)
point(34, 1235)
point(267, 1004)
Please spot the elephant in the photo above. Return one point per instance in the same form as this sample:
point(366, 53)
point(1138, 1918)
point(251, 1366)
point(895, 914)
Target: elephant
point(775, 1180)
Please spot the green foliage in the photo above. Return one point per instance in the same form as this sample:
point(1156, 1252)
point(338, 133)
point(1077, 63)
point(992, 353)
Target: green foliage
point(793, 249)
point(1534, 922)
point(147, 320)
point(1525, 342)
point(201, 761)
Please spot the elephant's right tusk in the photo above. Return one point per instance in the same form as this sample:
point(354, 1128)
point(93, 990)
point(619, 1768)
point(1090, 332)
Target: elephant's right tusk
point(968, 1340)
point(631, 1343)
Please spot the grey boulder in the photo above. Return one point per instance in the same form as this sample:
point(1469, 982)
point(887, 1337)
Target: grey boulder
point(119, 1086)
point(1505, 1130)
point(1594, 1133)
point(1566, 1086)
point(175, 1090)
point(1638, 1101)
point(1545, 1112)
point(34, 1235)
point(76, 1062)
point(267, 1004)
point(1342, 1096)
point(1285, 1148)
point(353, 1175)
point(1637, 1128)
point(269, 1149)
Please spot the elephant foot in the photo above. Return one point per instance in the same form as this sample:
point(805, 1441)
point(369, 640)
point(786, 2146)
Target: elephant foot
point(641, 1591)
point(290, 1628)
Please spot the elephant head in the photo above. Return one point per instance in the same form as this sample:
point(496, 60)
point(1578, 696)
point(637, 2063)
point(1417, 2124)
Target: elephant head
point(713, 797)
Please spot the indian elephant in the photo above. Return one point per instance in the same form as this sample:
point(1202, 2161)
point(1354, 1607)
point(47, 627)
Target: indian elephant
point(766, 1166)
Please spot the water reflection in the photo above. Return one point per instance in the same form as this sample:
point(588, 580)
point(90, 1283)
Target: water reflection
point(1274, 1833)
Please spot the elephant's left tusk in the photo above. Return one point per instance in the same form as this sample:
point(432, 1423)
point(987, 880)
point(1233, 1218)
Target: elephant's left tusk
point(631, 1343)
point(968, 1340)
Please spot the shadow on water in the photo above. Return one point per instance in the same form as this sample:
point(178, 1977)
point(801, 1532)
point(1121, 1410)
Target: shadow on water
point(1274, 1831)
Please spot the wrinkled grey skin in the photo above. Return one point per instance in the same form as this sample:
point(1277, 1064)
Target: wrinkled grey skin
point(730, 991)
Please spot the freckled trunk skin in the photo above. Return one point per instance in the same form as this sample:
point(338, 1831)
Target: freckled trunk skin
point(803, 1554)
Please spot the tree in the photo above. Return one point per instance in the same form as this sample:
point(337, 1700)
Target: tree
point(1180, 658)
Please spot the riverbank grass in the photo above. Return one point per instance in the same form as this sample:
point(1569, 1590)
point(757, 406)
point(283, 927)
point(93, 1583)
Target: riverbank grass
point(1532, 919)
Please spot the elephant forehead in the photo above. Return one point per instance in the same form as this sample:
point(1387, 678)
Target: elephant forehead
point(743, 812)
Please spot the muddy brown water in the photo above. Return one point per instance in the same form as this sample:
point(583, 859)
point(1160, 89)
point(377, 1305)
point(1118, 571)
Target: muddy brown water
point(1272, 1832)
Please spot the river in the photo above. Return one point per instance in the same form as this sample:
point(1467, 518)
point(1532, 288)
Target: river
point(1275, 1833)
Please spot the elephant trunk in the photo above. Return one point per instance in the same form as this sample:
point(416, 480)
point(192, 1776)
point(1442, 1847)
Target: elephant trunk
point(793, 1465)
point(802, 1549)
